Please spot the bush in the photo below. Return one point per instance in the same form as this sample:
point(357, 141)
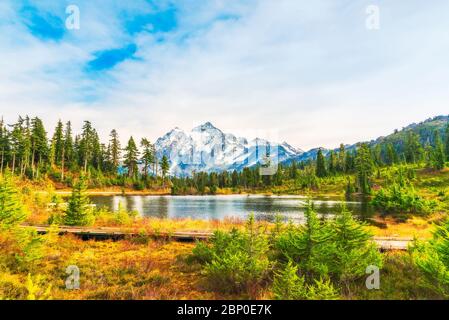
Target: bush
point(235, 261)
point(288, 285)
point(402, 198)
point(339, 249)
point(432, 258)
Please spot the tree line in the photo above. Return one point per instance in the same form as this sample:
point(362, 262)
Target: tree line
point(27, 151)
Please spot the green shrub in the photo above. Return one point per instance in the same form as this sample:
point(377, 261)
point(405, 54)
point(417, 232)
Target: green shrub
point(402, 198)
point(235, 261)
point(79, 212)
point(287, 285)
point(352, 248)
point(306, 245)
point(12, 212)
point(432, 258)
point(339, 249)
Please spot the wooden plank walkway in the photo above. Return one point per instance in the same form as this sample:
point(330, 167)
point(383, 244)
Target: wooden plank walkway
point(104, 233)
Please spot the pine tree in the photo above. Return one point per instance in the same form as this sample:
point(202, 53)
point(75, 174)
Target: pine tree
point(413, 148)
point(12, 212)
point(165, 166)
point(391, 155)
point(115, 150)
point(39, 144)
point(439, 157)
point(235, 179)
point(131, 157)
point(147, 154)
point(86, 145)
point(341, 158)
point(67, 149)
point(320, 164)
point(4, 145)
point(364, 168)
point(447, 142)
point(349, 162)
point(58, 143)
point(79, 212)
point(332, 163)
point(353, 250)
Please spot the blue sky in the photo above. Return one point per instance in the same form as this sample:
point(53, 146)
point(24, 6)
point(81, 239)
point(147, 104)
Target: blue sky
point(311, 71)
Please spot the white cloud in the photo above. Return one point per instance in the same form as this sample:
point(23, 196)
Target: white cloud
point(307, 69)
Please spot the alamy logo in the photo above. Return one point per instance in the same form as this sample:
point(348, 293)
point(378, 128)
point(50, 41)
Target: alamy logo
point(73, 22)
point(373, 280)
point(73, 280)
point(373, 20)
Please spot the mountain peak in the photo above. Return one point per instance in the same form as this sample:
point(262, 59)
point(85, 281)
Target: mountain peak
point(205, 126)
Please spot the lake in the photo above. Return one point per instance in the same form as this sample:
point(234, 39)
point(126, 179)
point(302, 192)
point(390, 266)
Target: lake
point(228, 206)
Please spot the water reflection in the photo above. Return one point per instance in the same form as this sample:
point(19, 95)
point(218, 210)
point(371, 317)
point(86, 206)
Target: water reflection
point(235, 206)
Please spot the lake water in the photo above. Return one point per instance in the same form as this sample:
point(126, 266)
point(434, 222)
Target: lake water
point(227, 206)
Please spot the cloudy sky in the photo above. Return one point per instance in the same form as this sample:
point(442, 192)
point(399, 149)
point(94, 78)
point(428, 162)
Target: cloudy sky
point(310, 72)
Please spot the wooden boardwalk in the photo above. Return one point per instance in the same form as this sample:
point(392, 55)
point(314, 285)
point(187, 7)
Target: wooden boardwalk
point(105, 233)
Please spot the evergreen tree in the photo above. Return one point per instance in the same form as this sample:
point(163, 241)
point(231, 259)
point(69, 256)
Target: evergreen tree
point(4, 146)
point(439, 158)
point(377, 155)
point(332, 162)
point(320, 164)
point(115, 150)
point(58, 143)
point(413, 148)
point(235, 179)
point(86, 145)
point(293, 170)
point(12, 212)
point(391, 156)
point(446, 149)
point(341, 158)
point(364, 168)
point(353, 248)
point(79, 212)
point(349, 162)
point(147, 154)
point(165, 166)
point(68, 149)
point(39, 144)
point(131, 157)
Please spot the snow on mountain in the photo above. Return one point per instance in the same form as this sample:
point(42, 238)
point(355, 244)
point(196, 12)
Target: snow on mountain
point(207, 148)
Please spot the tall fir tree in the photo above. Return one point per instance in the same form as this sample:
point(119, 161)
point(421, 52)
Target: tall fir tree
point(413, 148)
point(39, 144)
point(67, 150)
point(320, 164)
point(147, 155)
point(12, 212)
point(115, 150)
point(439, 157)
point(131, 157)
point(79, 211)
point(58, 143)
point(86, 145)
point(341, 158)
point(446, 142)
point(165, 166)
point(364, 168)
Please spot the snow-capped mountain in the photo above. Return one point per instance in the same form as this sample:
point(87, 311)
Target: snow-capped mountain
point(207, 148)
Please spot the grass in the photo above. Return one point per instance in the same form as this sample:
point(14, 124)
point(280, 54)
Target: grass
point(113, 270)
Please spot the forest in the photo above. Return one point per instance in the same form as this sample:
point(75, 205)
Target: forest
point(26, 151)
